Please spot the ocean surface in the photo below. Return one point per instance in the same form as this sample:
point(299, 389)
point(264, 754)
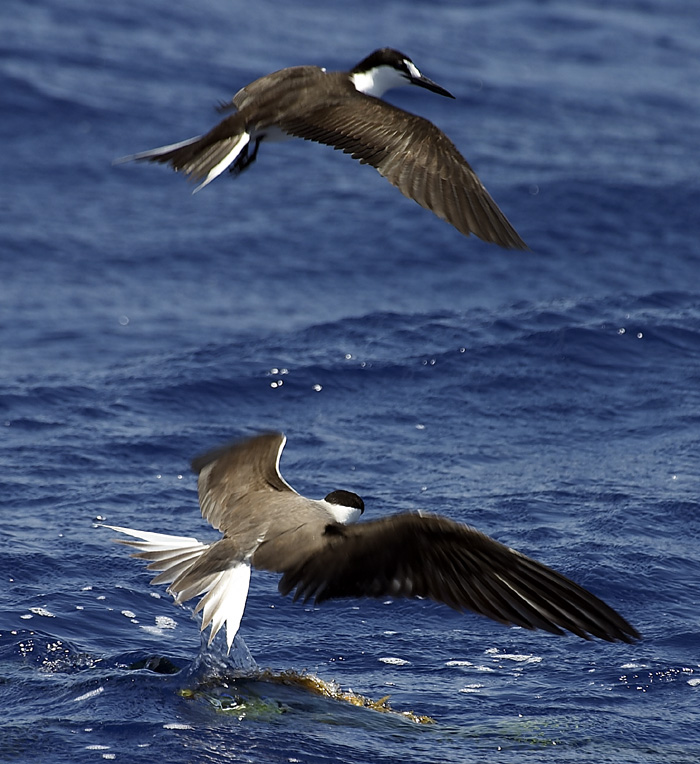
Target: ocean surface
point(550, 398)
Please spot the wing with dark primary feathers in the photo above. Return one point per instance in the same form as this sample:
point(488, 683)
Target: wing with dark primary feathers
point(431, 171)
point(412, 555)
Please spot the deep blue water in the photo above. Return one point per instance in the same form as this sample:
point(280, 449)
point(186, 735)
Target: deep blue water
point(551, 398)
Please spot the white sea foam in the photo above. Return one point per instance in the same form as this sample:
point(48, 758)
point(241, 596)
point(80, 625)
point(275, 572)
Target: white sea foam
point(517, 657)
point(88, 695)
point(41, 611)
point(163, 623)
point(471, 688)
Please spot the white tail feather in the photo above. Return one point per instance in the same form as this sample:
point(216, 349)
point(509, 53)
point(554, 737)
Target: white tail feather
point(151, 153)
point(229, 159)
point(224, 592)
point(225, 602)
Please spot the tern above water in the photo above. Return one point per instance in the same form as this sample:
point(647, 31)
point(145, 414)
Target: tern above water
point(322, 554)
point(344, 110)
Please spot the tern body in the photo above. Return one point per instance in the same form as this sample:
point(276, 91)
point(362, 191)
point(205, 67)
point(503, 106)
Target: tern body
point(323, 553)
point(345, 110)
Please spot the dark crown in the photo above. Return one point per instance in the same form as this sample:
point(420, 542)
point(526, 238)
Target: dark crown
point(382, 57)
point(346, 499)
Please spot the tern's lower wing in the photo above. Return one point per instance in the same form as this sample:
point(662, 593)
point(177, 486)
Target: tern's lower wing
point(411, 555)
point(412, 154)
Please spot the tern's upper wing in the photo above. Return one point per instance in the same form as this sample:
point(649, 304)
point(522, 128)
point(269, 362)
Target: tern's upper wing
point(230, 474)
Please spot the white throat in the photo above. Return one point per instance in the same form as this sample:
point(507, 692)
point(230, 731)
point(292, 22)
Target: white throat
point(377, 81)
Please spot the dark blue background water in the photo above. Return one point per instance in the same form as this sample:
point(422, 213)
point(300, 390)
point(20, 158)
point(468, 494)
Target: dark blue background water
point(551, 398)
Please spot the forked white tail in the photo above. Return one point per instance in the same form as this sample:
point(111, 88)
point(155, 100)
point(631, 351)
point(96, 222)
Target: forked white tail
point(225, 591)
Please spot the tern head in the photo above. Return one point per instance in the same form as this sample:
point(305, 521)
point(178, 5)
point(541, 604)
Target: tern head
point(346, 506)
point(387, 68)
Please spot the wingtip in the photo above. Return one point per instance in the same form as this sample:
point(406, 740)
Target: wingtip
point(631, 637)
point(207, 457)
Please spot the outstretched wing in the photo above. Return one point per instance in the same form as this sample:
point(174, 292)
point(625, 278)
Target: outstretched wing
point(412, 555)
point(432, 171)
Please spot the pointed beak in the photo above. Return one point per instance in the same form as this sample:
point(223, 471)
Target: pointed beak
point(424, 82)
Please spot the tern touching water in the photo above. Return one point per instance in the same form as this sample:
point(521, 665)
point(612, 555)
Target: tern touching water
point(344, 110)
point(323, 553)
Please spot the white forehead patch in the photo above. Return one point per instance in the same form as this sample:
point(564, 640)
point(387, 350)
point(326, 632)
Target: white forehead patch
point(412, 69)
